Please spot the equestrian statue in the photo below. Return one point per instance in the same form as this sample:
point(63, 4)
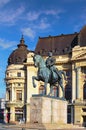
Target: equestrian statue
point(48, 73)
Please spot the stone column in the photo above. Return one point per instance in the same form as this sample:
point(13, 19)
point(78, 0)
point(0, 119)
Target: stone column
point(7, 95)
point(12, 114)
point(78, 70)
point(73, 83)
point(12, 92)
point(27, 95)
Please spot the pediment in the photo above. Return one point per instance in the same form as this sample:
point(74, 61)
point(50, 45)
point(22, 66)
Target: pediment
point(80, 56)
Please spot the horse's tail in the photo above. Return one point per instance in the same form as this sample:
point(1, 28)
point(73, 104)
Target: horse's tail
point(64, 73)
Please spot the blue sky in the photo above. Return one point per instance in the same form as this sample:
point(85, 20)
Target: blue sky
point(34, 18)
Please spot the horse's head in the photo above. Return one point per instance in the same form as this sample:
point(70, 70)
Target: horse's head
point(37, 60)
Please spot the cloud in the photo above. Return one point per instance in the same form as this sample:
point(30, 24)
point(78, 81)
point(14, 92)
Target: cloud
point(52, 12)
point(11, 16)
point(32, 29)
point(43, 24)
point(28, 32)
point(3, 2)
point(39, 21)
point(6, 44)
point(34, 15)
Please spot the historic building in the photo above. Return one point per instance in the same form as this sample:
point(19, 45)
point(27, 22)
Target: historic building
point(2, 110)
point(70, 53)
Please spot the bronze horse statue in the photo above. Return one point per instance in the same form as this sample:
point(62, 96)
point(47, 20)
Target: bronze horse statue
point(44, 74)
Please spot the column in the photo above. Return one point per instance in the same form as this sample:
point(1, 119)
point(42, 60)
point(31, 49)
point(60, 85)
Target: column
point(12, 113)
point(7, 95)
point(12, 93)
point(78, 70)
point(73, 83)
point(27, 85)
point(28, 95)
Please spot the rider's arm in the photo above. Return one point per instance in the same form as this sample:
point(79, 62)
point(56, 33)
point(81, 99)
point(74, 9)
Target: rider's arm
point(48, 63)
point(53, 61)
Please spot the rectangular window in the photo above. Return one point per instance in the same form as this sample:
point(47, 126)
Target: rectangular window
point(83, 69)
point(18, 114)
point(19, 84)
point(84, 109)
point(9, 95)
point(18, 74)
point(19, 95)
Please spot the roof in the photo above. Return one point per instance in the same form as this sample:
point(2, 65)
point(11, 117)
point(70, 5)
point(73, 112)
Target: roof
point(82, 36)
point(19, 55)
point(57, 44)
point(61, 44)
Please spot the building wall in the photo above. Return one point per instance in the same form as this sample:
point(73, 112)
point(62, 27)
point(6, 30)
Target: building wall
point(75, 68)
point(2, 110)
point(15, 86)
point(78, 82)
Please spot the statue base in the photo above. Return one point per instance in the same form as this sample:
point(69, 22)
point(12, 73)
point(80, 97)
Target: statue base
point(44, 109)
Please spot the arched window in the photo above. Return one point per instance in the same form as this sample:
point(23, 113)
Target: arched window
point(68, 92)
point(84, 91)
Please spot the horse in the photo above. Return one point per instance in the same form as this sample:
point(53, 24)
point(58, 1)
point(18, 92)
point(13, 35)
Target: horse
point(44, 74)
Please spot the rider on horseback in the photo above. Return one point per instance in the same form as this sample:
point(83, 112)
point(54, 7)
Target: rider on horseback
point(50, 62)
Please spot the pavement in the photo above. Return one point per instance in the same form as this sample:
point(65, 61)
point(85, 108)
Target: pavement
point(38, 127)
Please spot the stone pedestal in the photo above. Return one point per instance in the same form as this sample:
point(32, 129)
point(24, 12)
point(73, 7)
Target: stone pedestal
point(48, 110)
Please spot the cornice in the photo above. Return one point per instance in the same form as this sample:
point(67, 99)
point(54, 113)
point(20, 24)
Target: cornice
point(79, 57)
point(14, 78)
point(16, 103)
point(63, 62)
point(29, 64)
point(78, 60)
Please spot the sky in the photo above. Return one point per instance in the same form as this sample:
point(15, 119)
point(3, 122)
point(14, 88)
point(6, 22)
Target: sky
point(34, 19)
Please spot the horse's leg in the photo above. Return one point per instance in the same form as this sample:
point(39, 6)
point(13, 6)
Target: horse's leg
point(45, 85)
point(34, 78)
point(51, 89)
point(64, 74)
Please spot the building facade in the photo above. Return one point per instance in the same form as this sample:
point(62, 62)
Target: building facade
point(70, 54)
point(2, 110)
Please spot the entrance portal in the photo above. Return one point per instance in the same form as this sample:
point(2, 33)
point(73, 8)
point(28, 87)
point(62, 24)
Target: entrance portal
point(84, 121)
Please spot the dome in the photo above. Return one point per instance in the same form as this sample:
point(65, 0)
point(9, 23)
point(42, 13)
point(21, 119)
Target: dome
point(19, 55)
point(82, 36)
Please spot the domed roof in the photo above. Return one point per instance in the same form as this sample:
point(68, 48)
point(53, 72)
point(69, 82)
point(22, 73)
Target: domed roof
point(82, 37)
point(19, 55)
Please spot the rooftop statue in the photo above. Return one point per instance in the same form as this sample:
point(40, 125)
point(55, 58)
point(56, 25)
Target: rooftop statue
point(48, 73)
